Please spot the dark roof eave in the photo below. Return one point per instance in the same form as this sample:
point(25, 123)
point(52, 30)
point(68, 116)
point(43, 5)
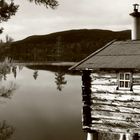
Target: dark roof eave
point(108, 69)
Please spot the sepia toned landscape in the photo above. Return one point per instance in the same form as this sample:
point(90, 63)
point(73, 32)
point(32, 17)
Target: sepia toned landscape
point(69, 70)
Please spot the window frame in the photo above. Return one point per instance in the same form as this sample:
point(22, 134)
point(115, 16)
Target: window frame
point(125, 80)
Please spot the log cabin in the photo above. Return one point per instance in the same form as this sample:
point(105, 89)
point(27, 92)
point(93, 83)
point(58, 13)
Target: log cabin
point(111, 86)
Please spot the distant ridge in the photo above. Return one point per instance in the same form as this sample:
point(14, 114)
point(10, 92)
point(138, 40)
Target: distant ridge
point(77, 35)
point(72, 45)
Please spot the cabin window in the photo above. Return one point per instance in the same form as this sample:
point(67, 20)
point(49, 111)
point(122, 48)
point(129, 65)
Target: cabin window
point(125, 80)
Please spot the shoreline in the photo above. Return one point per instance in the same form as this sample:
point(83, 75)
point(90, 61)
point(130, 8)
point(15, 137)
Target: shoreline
point(38, 63)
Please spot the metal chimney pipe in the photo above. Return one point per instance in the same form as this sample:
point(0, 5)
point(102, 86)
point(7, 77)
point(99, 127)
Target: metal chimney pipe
point(135, 35)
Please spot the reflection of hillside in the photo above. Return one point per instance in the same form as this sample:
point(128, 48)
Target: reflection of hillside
point(6, 131)
point(63, 69)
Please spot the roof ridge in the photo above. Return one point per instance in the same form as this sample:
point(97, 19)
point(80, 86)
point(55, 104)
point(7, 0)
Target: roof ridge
point(94, 53)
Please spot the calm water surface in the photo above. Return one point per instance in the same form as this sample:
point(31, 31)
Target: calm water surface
point(37, 104)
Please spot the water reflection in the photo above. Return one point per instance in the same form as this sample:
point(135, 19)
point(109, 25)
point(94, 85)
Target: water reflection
point(60, 72)
point(60, 80)
point(14, 71)
point(6, 131)
point(35, 74)
point(6, 91)
point(4, 70)
point(36, 109)
point(6, 88)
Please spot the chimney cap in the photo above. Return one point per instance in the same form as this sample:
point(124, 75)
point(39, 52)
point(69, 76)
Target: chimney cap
point(136, 7)
point(136, 13)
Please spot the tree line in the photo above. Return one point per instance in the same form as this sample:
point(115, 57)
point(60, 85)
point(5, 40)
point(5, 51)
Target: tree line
point(63, 46)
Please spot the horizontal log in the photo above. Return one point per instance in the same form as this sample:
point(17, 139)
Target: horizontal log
point(117, 123)
point(129, 104)
point(103, 75)
point(117, 92)
point(136, 80)
point(136, 88)
point(103, 78)
point(115, 97)
point(103, 88)
point(136, 83)
point(96, 115)
point(105, 128)
point(136, 75)
point(103, 81)
point(113, 108)
point(112, 88)
point(112, 74)
point(105, 84)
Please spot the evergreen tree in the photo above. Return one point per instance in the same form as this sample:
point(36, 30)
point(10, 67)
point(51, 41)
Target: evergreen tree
point(8, 9)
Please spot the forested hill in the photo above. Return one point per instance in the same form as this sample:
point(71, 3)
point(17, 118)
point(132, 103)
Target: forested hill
point(72, 45)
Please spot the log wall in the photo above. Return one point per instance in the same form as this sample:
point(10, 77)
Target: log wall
point(113, 110)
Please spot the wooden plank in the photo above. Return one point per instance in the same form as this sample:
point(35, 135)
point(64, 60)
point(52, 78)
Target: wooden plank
point(108, 82)
point(117, 92)
point(115, 97)
point(136, 80)
point(107, 128)
point(129, 104)
point(104, 81)
point(105, 84)
point(117, 123)
point(136, 88)
point(96, 114)
point(112, 88)
point(115, 108)
point(103, 75)
point(103, 88)
point(136, 75)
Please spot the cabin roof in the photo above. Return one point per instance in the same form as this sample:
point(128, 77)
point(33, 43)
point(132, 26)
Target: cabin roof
point(114, 55)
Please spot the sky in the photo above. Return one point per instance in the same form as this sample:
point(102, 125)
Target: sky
point(34, 19)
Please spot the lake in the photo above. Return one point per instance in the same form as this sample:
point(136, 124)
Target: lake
point(40, 103)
